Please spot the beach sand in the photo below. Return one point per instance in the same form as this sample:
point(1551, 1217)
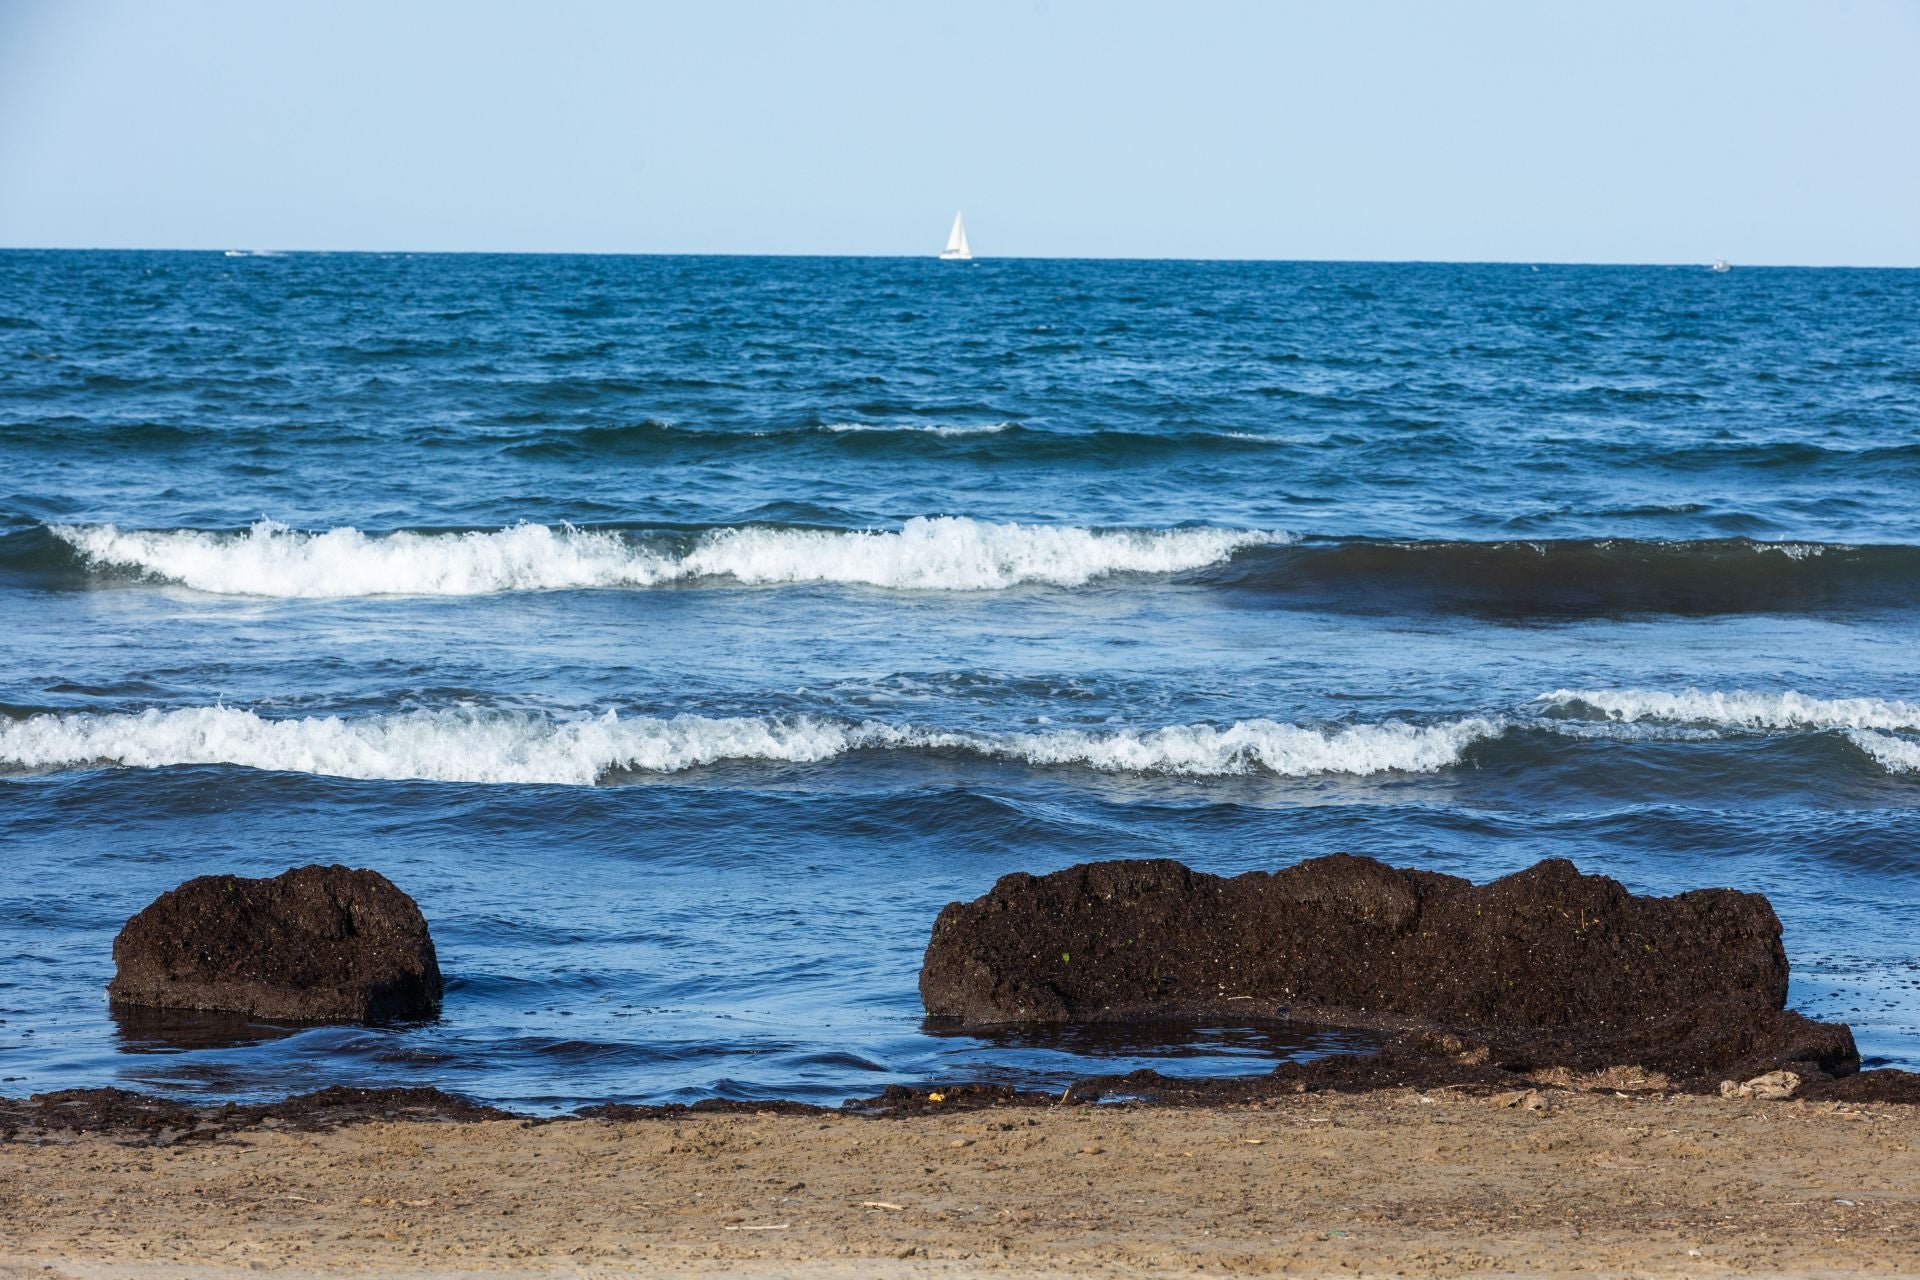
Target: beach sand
point(1393, 1181)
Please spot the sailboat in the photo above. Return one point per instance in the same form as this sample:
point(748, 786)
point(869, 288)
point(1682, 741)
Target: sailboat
point(957, 250)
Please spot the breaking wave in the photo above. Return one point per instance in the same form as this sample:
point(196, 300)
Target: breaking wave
point(492, 745)
point(946, 553)
point(1737, 709)
point(1606, 578)
point(1895, 755)
point(517, 747)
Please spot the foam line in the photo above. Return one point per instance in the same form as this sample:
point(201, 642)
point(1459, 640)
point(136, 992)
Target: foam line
point(488, 746)
point(947, 553)
point(1738, 709)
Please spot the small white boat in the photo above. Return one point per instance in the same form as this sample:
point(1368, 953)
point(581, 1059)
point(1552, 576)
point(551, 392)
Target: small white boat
point(1720, 264)
point(957, 249)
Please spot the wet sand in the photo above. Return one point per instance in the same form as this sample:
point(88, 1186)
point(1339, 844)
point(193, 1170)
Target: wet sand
point(1446, 1182)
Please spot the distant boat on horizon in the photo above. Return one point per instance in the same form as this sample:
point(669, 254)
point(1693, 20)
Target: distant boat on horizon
point(1720, 264)
point(957, 249)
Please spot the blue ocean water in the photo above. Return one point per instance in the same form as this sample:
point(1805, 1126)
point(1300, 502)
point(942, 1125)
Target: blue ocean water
point(683, 633)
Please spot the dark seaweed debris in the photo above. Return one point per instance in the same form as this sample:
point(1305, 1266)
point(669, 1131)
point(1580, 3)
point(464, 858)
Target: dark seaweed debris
point(159, 1121)
point(313, 944)
point(1543, 968)
point(147, 1120)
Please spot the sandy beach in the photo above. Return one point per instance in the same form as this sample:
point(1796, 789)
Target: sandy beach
point(1396, 1181)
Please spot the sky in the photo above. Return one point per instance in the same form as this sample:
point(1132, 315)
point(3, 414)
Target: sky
point(1474, 130)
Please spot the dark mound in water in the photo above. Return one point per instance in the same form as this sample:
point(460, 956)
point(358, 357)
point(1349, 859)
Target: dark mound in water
point(314, 944)
point(1541, 968)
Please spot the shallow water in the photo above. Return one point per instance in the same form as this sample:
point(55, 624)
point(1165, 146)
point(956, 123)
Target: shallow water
point(682, 633)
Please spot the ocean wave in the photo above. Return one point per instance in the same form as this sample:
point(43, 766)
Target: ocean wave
point(1736, 709)
point(489, 746)
point(1895, 755)
point(990, 443)
point(946, 553)
point(910, 428)
point(1581, 578)
point(1545, 579)
point(270, 559)
point(1244, 747)
point(1774, 454)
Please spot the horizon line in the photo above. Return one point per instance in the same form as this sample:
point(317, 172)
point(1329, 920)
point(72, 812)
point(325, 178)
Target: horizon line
point(934, 257)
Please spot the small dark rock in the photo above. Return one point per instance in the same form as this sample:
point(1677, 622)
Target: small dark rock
point(314, 944)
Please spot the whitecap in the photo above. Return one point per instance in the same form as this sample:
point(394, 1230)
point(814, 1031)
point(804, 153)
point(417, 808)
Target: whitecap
point(1895, 755)
point(270, 559)
point(917, 428)
point(494, 746)
point(1244, 747)
point(944, 553)
point(1739, 709)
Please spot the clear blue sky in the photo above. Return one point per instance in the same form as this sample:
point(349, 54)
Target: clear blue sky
point(1613, 130)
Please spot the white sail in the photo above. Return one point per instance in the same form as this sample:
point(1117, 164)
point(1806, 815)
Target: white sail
point(957, 248)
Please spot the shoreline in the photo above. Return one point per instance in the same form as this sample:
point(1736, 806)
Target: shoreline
point(1398, 1064)
point(141, 1117)
point(1407, 1053)
point(1441, 1181)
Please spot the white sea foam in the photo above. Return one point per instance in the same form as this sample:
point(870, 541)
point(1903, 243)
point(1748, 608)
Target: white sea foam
point(950, 553)
point(446, 746)
point(468, 745)
point(918, 428)
point(270, 559)
point(1895, 755)
point(1793, 550)
point(1246, 746)
point(946, 553)
point(1741, 709)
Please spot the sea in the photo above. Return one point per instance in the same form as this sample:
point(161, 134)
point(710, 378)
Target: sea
point(682, 633)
